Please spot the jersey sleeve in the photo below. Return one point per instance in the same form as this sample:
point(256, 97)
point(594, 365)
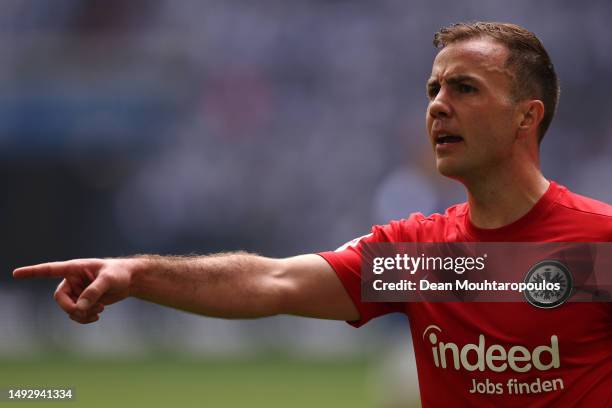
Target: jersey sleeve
point(346, 262)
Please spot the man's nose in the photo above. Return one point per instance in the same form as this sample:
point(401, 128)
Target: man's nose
point(439, 107)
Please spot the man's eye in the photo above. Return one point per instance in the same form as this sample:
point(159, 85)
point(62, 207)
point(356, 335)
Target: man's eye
point(463, 88)
point(432, 91)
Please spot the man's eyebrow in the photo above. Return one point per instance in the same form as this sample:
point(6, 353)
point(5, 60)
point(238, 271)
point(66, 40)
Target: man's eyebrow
point(455, 79)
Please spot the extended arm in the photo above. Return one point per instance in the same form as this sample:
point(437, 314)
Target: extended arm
point(231, 285)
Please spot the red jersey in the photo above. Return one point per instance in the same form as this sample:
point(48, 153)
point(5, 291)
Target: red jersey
point(527, 356)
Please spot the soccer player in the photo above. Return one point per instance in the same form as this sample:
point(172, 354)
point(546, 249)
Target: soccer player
point(492, 95)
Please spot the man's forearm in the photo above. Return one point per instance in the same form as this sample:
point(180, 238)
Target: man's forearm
point(230, 285)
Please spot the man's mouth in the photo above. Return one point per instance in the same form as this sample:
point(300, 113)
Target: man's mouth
point(447, 139)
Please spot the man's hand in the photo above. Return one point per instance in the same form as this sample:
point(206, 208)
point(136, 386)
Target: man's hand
point(88, 284)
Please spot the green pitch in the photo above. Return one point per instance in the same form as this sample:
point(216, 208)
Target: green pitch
point(173, 382)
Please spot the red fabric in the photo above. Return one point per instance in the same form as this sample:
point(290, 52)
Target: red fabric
point(583, 331)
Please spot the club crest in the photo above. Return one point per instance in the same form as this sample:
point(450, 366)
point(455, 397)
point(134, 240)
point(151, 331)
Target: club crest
point(549, 271)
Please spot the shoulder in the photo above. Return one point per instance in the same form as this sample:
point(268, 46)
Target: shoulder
point(418, 227)
point(584, 205)
point(580, 218)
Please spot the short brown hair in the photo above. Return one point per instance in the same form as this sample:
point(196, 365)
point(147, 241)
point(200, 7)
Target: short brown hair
point(534, 72)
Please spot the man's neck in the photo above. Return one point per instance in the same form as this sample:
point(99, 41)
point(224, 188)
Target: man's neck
point(498, 201)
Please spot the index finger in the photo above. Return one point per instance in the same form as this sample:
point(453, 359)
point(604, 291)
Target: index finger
point(55, 269)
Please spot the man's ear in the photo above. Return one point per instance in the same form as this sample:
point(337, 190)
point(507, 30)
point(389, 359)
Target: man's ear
point(532, 115)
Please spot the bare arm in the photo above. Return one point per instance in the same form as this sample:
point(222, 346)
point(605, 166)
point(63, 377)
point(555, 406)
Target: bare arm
point(232, 285)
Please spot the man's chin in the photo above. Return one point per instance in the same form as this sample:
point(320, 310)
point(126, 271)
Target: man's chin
point(450, 169)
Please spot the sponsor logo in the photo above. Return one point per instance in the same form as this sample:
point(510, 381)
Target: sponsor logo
point(495, 357)
point(554, 272)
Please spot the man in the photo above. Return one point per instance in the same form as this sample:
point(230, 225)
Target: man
point(492, 95)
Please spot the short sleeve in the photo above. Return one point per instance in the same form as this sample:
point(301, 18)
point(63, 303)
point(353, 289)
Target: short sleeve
point(346, 262)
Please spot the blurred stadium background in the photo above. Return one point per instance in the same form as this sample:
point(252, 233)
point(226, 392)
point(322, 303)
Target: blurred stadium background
point(272, 126)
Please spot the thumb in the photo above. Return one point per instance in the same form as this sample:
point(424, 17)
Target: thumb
point(92, 293)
